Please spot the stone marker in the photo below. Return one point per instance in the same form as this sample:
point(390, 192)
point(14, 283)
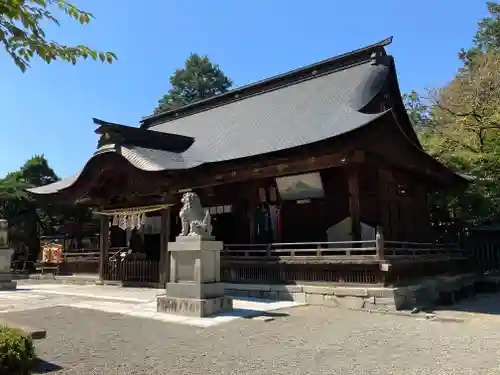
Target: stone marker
point(194, 288)
point(6, 252)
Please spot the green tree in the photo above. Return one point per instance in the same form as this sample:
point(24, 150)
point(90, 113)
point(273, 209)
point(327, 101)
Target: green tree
point(27, 218)
point(199, 79)
point(463, 124)
point(30, 218)
point(418, 111)
point(487, 36)
point(23, 36)
point(465, 134)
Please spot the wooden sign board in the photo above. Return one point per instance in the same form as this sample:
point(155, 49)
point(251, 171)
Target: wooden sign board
point(52, 253)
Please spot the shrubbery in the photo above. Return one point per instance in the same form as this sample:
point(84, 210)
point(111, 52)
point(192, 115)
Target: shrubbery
point(17, 351)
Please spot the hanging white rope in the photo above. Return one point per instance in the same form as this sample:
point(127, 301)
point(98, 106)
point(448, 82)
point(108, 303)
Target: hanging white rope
point(131, 218)
point(133, 210)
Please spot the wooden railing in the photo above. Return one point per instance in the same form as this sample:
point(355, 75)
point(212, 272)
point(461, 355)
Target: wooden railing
point(485, 253)
point(303, 251)
point(354, 262)
point(132, 270)
point(375, 250)
point(83, 260)
point(418, 250)
point(79, 255)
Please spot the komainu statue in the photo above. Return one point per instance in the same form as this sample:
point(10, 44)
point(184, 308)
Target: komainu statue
point(195, 220)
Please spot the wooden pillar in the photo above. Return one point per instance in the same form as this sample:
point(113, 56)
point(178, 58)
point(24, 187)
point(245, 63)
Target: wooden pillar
point(164, 238)
point(252, 204)
point(383, 210)
point(354, 206)
point(103, 245)
point(387, 216)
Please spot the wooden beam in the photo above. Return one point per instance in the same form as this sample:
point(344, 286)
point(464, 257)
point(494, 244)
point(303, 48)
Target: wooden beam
point(297, 165)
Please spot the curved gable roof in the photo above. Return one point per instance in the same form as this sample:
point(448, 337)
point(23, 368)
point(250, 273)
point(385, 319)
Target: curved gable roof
point(306, 106)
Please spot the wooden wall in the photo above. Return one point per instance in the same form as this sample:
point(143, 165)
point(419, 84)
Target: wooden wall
point(300, 221)
point(403, 206)
point(387, 197)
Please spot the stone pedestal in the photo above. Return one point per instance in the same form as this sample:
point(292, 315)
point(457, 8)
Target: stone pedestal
point(6, 252)
point(6, 282)
point(194, 288)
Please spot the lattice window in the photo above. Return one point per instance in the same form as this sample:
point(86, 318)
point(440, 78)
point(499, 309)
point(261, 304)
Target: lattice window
point(217, 210)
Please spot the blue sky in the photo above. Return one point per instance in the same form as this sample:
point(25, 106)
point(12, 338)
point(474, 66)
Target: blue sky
point(49, 109)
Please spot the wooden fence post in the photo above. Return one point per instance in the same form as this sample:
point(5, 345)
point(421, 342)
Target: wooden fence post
point(164, 266)
point(379, 243)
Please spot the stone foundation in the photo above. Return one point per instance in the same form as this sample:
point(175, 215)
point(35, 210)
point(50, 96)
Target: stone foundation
point(6, 282)
point(427, 293)
point(195, 290)
point(194, 307)
point(8, 285)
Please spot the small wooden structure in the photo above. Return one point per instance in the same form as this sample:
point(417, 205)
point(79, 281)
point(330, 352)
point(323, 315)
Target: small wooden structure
point(313, 175)
point(51, 256)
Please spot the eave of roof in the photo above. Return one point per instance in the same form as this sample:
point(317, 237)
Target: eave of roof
point(321, 101)
point(116, 133)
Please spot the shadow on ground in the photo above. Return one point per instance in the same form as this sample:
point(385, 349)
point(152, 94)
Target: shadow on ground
point(480, 303)
point(249, 313)
point(44, 367)
point(17, 290)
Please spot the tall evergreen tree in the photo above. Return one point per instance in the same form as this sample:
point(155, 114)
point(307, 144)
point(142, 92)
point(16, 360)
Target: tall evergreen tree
point(199, 79)
point(487, 36)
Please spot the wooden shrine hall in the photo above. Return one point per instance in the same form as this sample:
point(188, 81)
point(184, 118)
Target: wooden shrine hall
point(312, 175)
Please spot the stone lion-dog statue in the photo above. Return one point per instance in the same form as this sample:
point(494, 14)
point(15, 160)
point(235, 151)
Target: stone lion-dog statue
point(195, 220)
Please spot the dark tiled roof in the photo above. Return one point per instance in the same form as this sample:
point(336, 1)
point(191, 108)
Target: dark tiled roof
point(322, 105)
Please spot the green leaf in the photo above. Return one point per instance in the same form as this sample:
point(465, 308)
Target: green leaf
point(22, 33)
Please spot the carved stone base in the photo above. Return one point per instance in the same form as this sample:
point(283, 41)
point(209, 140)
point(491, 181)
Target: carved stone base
point(193, 307)
point(195, 290)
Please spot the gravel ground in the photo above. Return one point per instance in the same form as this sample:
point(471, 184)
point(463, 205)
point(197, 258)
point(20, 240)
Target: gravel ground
point(305, 340)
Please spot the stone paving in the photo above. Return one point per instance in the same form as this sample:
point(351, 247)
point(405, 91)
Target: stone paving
point(300, 340)
point(136, 302)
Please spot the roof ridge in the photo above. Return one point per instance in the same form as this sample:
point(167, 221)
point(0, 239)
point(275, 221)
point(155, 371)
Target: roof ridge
point(283, 79)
